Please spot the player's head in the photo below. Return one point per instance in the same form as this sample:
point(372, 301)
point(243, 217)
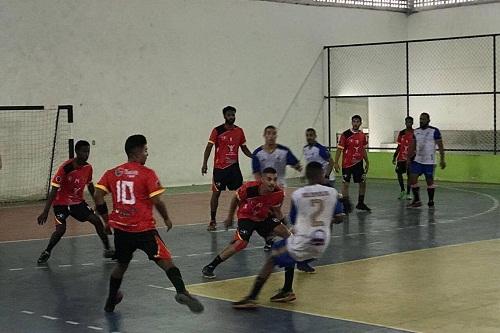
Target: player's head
point(269, 179)
point(425, 119)
point(356, 121)
point(229, 113)
point(315, 173)
point(136, 148)
point(82, 150)
point(311, 136)
point(270, 134)
point(409, 122)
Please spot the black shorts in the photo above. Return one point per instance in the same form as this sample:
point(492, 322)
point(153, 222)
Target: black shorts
point(247, 227)
point(229, 178)
point(402, 167)
point(357, 172)
point(81, 212)
point(148, 241)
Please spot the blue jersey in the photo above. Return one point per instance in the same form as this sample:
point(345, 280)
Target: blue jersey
point(278, 159)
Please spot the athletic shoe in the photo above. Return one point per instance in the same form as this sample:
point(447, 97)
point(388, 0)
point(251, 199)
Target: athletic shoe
point(208, 272)
point(44, 257)
point(192, 303)
point(284, 297)
point(269, 245)
point(245, 303)
point(363, 206)
point(305, 267)
point(109, 253)
point(409, 197)
point(415, 204)
point(111, 303)
point(430, 204)
point(402, 195)
point(212, 226)
point(347, 207)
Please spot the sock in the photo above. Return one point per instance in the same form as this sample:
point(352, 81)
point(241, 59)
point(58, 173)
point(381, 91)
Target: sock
point(215, 262)
point(416, 195)
point(361, 199)
point(212, 215)
point(114, 285)
point(174, 275)
point(430, 192)
point(401, 182)
point(257, 286)
point(287, 286)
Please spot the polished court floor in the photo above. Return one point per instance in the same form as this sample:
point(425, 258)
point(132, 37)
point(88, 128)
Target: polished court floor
point(394, 270)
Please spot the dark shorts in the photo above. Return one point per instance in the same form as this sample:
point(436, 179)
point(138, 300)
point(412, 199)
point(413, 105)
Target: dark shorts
point(401, 167)
point(81, 212)
point(357, 172)
point(247, 227)
point(419, 168)
point(229, 178)
point(148, 241)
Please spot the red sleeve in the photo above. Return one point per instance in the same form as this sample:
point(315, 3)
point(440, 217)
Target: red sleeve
point(153, 185)
point(213, 136)
point(278, 198)
point(104, 183)
point(243, 139)
point(341, 143)
point(58, 177)
point(241, 193)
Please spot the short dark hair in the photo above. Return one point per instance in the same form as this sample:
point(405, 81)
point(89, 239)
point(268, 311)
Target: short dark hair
point(80, 144)
point(310, 129)
point(269, 127)
point(425, 114)
point(409, 118)
point(313, 170)
point(269, 170)
point(356, 116)
point(133, 142)
point(228, 109)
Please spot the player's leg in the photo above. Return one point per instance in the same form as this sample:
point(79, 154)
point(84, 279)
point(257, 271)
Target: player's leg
point(82, 212)
point(346, 179)
point(239, 242)
point(125, 245)
point(408, 182)
point(359, 177)
point(415, 171)
point(249, 301)
point(218, 185)
point(399, 172)
point(152, 244)
point(429, 179)
point(61, 214)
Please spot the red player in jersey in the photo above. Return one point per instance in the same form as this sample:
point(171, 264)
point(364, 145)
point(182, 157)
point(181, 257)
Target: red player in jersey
point(227, 138)
point(352, 145)
point(257, 201)
point(66, 195)
point(405, 139)
point(135, 190)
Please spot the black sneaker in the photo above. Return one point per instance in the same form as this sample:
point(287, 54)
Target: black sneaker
point(363, 206)
point(109, 254)
point(192, 303)
point(212, 226)
point(44, 257)
point(245, 303)
point(269, 245)
point(347, 206)
point(430, 204)
point(208, 272)
point(111, 303)
point(305, 267)
point(284, 297)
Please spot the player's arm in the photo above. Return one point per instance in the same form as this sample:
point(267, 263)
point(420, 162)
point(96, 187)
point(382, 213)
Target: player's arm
point(395, 154)
point(162, 209)
point(246, 151)
point(367, 162)
point(101, 207)
point(91, 188)
point(293, 161)
point(232, 209)
point(440, 145)
point(338, 152)
point(42, 218)
point(412, 150)
point(206, 155)
point(256, 167)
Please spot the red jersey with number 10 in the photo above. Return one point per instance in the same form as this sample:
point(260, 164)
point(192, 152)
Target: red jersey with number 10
point(132, 186)
point(353, 145)
point(227, 141)
point(254, 206)
point(71, 182)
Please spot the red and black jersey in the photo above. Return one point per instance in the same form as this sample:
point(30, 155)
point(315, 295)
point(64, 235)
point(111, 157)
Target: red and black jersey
point(132, 186)
point(405, 139)
point(353, 145)
point(254, 206)
point(227, 142)
point(71, 180)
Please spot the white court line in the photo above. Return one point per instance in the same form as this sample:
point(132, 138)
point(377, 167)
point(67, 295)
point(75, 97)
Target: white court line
point(27, 312)
point(95, 328)
point(65, 265)
point(88, 264)
point(71, 322)
point(16, 269)
point(158, 287)
point(49, 317)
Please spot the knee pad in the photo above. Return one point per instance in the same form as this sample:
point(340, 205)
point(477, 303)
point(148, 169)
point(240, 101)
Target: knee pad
point(239, 244)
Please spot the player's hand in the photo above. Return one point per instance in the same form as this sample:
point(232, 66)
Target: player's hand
point(204, 169)
point(367, 167)
point(168, 223)
point(228, 223)
point(442, 164)
point(336, 166)
point(43, 218)
point(298, 167)
point(394, 161)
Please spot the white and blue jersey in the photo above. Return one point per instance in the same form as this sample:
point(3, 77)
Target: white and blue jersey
point(425, 141)
point(318, 153)
point(278, 159)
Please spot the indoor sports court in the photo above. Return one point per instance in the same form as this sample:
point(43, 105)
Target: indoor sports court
point(103, 71)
